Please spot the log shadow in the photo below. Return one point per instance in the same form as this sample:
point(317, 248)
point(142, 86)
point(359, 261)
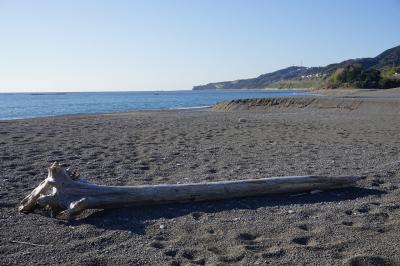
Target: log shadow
point(135, 219)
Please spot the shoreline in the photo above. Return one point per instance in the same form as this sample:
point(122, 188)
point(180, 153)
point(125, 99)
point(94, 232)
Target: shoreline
point(188, 109)
point(336, 93)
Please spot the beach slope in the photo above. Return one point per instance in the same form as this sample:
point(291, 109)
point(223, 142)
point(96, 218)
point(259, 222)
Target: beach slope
point(356, 226)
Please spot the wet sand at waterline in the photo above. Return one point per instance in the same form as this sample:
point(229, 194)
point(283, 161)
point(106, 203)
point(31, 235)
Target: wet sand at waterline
point(356, 226)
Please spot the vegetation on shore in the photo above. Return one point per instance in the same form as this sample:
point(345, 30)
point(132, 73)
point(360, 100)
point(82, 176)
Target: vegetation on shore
point(356, 76)
point(298, 83)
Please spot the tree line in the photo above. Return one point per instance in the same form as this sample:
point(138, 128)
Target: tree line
point(355, 75)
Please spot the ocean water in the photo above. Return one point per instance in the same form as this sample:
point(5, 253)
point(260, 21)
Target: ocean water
point(29, 105)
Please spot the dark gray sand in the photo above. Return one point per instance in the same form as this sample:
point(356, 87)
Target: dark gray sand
point(357, 226)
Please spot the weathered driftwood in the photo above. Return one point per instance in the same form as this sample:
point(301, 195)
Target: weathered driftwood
point(63, 193)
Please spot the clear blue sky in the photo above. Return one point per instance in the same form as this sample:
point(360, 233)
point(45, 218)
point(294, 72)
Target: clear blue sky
point(146, 45)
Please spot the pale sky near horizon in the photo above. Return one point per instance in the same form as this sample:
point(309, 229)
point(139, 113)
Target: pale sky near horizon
point(170, 44)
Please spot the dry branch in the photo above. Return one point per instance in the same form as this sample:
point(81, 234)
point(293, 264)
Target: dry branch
point(63, 193)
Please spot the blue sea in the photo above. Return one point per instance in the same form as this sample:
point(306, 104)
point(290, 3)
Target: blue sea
point(29, 105)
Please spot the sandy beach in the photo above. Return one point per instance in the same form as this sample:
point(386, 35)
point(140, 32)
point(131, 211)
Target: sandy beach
point(355, 226)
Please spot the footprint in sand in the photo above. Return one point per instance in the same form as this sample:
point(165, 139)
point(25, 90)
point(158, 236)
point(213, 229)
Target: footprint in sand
point(306, 241)
point(228, 256)
point(158, 242)
point(215, 250)
point(348, 212)
point(157, 245)
point(250, 242)
point(244, 237)
point(348, 223)
point(303, 240)
point(304, 227)
point(363, 209)
point(192, 256)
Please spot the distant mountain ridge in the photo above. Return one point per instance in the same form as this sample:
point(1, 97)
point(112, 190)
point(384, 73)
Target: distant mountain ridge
point(389, 58)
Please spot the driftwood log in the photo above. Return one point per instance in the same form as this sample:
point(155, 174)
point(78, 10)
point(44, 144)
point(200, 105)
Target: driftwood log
point(65, 195)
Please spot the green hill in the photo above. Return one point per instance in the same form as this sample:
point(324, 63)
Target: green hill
point(385, 63)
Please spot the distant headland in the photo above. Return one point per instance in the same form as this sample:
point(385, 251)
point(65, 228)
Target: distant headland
point(380, 72)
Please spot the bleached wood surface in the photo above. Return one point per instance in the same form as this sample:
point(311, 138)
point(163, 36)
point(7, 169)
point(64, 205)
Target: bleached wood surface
point(68, 196)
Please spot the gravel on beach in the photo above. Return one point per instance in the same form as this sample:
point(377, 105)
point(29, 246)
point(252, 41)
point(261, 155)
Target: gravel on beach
point(355, 226)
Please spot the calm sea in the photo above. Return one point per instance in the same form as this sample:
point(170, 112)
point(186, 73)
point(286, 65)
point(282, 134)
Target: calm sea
point(28, 105)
